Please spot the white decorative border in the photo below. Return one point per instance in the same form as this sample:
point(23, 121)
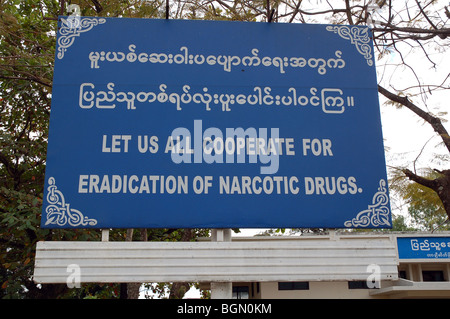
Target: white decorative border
point(73, 27)
point(357, 36)
point(375, 215)
point(59, 212)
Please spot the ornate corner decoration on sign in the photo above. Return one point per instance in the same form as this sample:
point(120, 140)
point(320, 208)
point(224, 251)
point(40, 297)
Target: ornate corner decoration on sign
point(72, 27)
point(376, 214)
point(358, 36)
point(60, 213)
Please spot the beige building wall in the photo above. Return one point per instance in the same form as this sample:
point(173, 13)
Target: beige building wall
point(417, 278)
point(317, 290)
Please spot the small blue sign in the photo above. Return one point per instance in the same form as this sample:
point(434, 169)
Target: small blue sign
point(209, 124)
point(423, 247)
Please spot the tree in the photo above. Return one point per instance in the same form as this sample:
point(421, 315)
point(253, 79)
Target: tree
point(423, 204)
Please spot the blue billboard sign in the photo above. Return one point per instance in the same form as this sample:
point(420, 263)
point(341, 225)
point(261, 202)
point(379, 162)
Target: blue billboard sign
point(423, 247)
point(208, 124)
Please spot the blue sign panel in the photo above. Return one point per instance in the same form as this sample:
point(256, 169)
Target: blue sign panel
point(423, 247)
point(207, 124)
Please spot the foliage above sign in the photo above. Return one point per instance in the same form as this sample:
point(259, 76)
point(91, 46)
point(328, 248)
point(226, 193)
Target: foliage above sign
point(202, 124)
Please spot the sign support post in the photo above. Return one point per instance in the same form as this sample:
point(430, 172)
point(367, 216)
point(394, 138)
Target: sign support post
point(221, 290)
point(105, 234)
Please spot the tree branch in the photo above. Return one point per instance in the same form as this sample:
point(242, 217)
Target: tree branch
point(425, 15)
point(98, 6)
point(443, 32)
point(30, 78)
point(435, 122)
point(430, 183)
